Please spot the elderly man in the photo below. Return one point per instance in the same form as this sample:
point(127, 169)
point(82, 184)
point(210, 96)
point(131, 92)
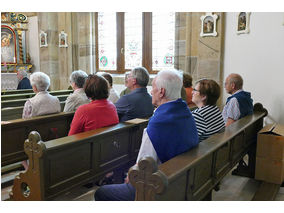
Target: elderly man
point(170, 131)
point(138, 103)
point(239, 104)
point(24, 82)
point(78, 97)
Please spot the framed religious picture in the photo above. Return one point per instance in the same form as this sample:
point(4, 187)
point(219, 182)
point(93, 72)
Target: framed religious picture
point(8, 45)
point(243, 22)
point(43, 39)
point(4, 17)
point(208, 25)
point(63, 39)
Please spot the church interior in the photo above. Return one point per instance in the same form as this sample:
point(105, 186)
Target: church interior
point(208, 45)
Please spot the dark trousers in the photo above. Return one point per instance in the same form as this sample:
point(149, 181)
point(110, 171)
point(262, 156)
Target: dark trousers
point(115, 192)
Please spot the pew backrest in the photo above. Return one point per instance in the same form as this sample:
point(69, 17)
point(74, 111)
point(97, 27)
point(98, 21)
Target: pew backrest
point(21, 102)
point(21, 91)
point(30, 95)
point(16, 131)
point(59, 165)
point(12, 113)
point(192, 175)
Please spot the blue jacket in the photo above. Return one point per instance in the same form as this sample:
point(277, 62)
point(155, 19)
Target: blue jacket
point(172, 130)
point(24, 84)
point(137, 104)
point(245, 103)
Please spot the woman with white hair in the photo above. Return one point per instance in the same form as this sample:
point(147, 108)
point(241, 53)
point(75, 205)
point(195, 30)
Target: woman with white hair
point(42, 103)
point(78, 97)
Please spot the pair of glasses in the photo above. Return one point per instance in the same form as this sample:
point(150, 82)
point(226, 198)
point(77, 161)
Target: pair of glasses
point(195, 90)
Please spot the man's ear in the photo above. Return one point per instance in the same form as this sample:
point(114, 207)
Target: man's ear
point(162, 92)
point(134, 81)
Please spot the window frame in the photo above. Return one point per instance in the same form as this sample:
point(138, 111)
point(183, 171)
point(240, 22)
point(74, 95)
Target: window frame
point(146, 43)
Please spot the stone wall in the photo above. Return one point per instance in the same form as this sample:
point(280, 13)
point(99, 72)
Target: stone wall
point(59, 62)
point(202, 57)
point(199, 56)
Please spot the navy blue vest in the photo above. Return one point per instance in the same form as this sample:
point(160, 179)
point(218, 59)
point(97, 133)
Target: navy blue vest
point(172, 130)
point(245, 103)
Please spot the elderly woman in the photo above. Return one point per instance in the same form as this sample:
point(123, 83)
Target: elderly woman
point(42, 103)
point(99, 113)
point(207, 116)
point(113, 94)
point(78, 97)
point(126, 90)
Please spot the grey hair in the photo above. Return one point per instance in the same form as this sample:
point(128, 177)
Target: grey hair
point(23, 73)
point(237, 80)
point(141, 75)
point(171, 81)
point(40, 80)
point(78, 77)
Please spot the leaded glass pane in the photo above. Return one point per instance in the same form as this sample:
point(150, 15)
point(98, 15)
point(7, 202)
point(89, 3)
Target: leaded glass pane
point(133, 40)
point(163, 40)
point(107, 41)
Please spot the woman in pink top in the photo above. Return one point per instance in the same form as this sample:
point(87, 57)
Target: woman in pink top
point(99, 113)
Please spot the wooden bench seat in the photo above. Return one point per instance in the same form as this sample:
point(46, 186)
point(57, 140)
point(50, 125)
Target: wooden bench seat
point(15, 132)
point(30, 95)
point(58, 165)
point(193, 174)
point(12, 113)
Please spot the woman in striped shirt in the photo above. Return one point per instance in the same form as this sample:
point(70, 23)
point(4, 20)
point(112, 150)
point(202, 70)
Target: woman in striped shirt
point(207, 116)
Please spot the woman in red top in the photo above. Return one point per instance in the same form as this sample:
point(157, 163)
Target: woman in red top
point(99, 113)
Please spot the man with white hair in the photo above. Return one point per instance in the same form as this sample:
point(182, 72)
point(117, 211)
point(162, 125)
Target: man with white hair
point(42, 103)
point(78, 97)
point(24, 82)
point(170, 131)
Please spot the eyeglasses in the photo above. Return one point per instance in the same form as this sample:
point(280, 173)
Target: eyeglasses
point(195, 90)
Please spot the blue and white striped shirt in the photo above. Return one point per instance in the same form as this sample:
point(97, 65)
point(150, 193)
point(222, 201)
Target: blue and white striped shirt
point(208, 120)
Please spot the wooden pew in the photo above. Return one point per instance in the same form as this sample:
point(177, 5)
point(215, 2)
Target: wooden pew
point(193, 174)
point(21, 102)
point(56, 166)
point(15, 132)
point(12, 113)
point(30, 95)
point(10, 92)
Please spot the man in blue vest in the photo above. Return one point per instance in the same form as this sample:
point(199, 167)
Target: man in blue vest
point(24, 82)
point(239, 104)
point(170, 131)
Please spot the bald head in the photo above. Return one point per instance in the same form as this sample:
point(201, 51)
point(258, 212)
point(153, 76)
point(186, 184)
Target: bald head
point(237, 80)
point(233, 83)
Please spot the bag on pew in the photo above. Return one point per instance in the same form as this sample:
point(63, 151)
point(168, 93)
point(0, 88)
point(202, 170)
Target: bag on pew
point(270, 154)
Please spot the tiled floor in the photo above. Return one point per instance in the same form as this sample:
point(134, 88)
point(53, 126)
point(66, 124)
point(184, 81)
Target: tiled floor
point(232, 188)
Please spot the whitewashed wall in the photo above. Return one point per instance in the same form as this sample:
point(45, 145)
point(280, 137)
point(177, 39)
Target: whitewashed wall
point(259, 58)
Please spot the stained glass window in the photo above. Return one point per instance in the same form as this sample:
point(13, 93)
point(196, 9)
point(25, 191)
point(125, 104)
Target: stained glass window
point(107, 41)
point(163, 40)
point(133, 40)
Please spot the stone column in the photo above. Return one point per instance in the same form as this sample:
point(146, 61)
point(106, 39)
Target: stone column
point(49, 63)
